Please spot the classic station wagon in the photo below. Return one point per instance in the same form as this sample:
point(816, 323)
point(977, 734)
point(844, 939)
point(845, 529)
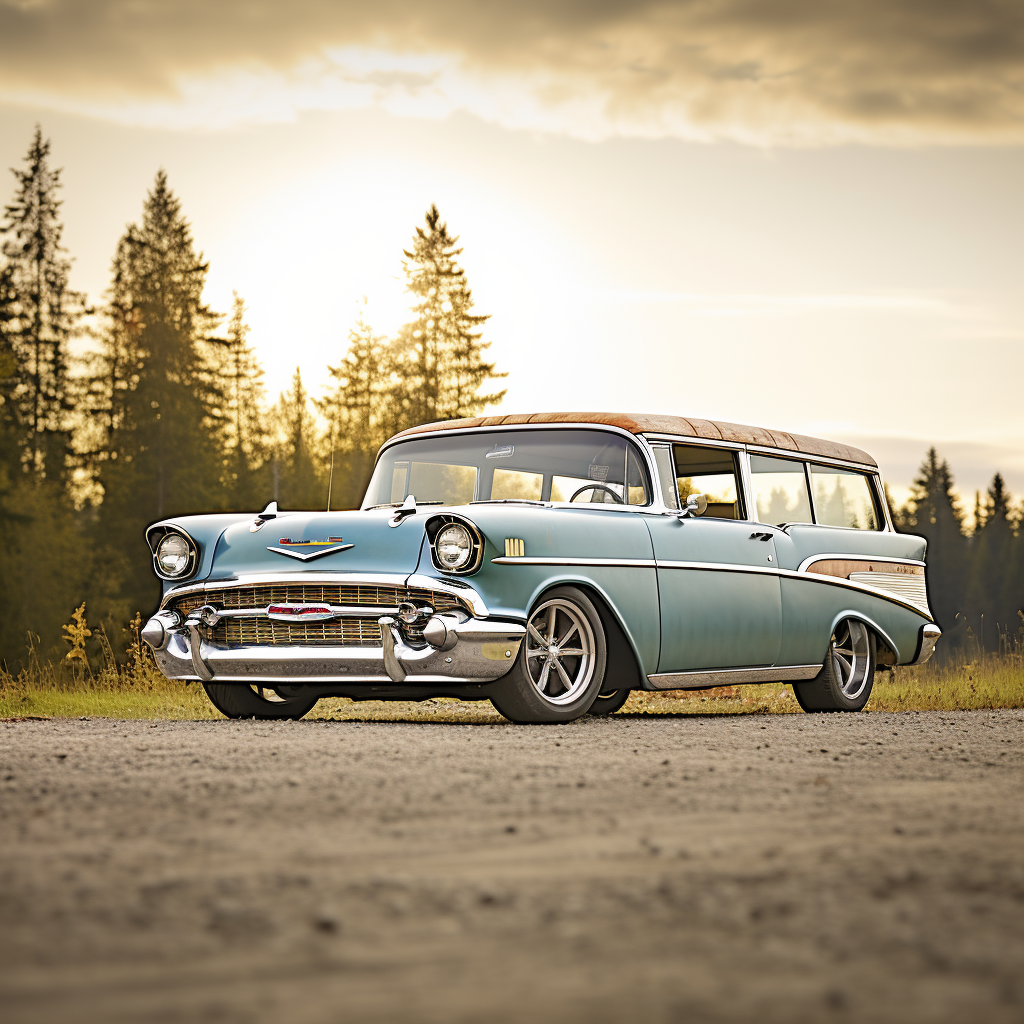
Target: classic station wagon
point(552, 563)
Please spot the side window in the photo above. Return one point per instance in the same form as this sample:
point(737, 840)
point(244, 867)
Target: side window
point(711, 472)
point(842, 497)
point(780, 490)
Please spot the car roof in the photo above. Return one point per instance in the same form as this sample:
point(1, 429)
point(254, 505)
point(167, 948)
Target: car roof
point(680, 426)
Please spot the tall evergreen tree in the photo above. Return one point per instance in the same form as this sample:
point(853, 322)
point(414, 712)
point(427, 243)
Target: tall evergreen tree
point(442, 365)
point(362, 411)
point(993, 595)
point(42, 312)
point(934, 513)
point(159, 408)
point(298, 473)
point(241, 378)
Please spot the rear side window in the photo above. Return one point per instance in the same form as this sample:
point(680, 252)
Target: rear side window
point(843, 497)
point(711, 472)
point(780, 490)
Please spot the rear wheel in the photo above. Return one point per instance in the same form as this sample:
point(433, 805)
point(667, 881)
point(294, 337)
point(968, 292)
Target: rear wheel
point(238, 700)
point(845, 680)
point(560, 668)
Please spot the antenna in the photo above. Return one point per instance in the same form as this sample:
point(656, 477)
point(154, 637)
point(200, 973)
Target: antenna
point(330, 482)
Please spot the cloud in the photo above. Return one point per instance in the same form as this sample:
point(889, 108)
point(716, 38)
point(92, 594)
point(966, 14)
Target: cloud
point(767, 72)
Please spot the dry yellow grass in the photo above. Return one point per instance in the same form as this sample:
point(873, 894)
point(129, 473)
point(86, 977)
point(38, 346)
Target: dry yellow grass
point(140, 691)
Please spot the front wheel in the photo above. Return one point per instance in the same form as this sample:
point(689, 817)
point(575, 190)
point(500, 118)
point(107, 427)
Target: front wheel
point(560, 668)
point(238, 700)
point(845, 680)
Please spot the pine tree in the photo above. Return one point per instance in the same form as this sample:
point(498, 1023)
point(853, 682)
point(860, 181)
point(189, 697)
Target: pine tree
point(362, 411)
point(935, 514)
point(993, 593)
point(42, 313)
point(298, 475)
point(159, 410)
point(241, 378)
point(442, 365)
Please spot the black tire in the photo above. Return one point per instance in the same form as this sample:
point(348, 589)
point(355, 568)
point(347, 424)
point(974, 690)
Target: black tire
point(847, 674)
point(531, 693)
point(609, 703)
point(237, 700)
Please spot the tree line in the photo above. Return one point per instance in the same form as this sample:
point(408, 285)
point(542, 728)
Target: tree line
point(149, 404)
point(976, 575)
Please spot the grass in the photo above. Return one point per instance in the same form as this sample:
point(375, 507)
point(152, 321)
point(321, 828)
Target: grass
point(74, 690)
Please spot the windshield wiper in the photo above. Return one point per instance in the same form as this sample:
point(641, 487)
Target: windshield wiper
point(511, 501)
point(399, 504)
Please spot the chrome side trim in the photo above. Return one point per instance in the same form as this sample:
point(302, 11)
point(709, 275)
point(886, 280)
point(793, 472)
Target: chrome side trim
point(648, 563)
point(708, 678)
point(723, 567)
point(809, 577)
point(635, 563)
point(846, 557)
point(929, 638)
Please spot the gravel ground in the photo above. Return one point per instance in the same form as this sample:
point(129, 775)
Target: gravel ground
point(771, 868)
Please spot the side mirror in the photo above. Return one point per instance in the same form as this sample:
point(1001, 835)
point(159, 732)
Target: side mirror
point(696, 505)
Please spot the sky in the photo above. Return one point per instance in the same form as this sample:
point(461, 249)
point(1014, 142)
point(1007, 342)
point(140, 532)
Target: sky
point(805, 214)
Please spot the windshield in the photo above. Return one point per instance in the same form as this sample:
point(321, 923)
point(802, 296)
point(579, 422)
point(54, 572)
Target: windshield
point(511, 465)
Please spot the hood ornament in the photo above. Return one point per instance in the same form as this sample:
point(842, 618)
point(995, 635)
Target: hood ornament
point(307, 550)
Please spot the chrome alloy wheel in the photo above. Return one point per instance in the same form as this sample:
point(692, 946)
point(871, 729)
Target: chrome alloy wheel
point(560, 650)
point(850, 655)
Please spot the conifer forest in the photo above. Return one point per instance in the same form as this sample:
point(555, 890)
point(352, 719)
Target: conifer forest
point(123, 409)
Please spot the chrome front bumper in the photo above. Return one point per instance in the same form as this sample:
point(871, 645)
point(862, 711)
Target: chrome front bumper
point(463, 650)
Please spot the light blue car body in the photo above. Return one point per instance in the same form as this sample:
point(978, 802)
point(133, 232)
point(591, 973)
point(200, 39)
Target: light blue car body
point(687, 601)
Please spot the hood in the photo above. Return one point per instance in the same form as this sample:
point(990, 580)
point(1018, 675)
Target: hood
point(321, 542)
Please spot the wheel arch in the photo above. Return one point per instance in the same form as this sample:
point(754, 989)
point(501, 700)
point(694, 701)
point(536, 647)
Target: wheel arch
point(624, 663)
point(887, 653)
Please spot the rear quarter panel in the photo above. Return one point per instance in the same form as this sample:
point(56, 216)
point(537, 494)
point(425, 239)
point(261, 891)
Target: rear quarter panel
point(812, 606)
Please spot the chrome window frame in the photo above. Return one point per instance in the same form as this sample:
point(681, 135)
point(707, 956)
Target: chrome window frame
point(776, 453)
point(875, 489)
point(742, 491)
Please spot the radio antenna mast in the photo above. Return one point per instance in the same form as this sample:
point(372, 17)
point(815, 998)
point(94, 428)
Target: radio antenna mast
point(330, 482)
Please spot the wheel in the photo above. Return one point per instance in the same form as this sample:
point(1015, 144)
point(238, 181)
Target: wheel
point(609, 703)
point(238, 700)
point(845, 680)
point(560, 668)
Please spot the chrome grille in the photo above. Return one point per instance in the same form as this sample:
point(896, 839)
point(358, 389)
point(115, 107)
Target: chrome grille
point(345, 632)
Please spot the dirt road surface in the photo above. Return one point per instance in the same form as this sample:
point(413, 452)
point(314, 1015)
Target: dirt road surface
point(772, 868)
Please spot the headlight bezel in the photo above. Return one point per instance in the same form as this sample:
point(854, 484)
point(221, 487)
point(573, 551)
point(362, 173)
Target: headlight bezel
point(158, 537)
point(437, 526)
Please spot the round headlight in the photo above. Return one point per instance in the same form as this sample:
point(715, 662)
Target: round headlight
point(173, 554)
point(454, 547)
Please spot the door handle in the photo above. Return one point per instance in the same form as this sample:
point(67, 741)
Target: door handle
point(760, 536)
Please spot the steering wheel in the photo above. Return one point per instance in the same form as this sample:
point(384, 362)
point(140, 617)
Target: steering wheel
point(596, 487)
